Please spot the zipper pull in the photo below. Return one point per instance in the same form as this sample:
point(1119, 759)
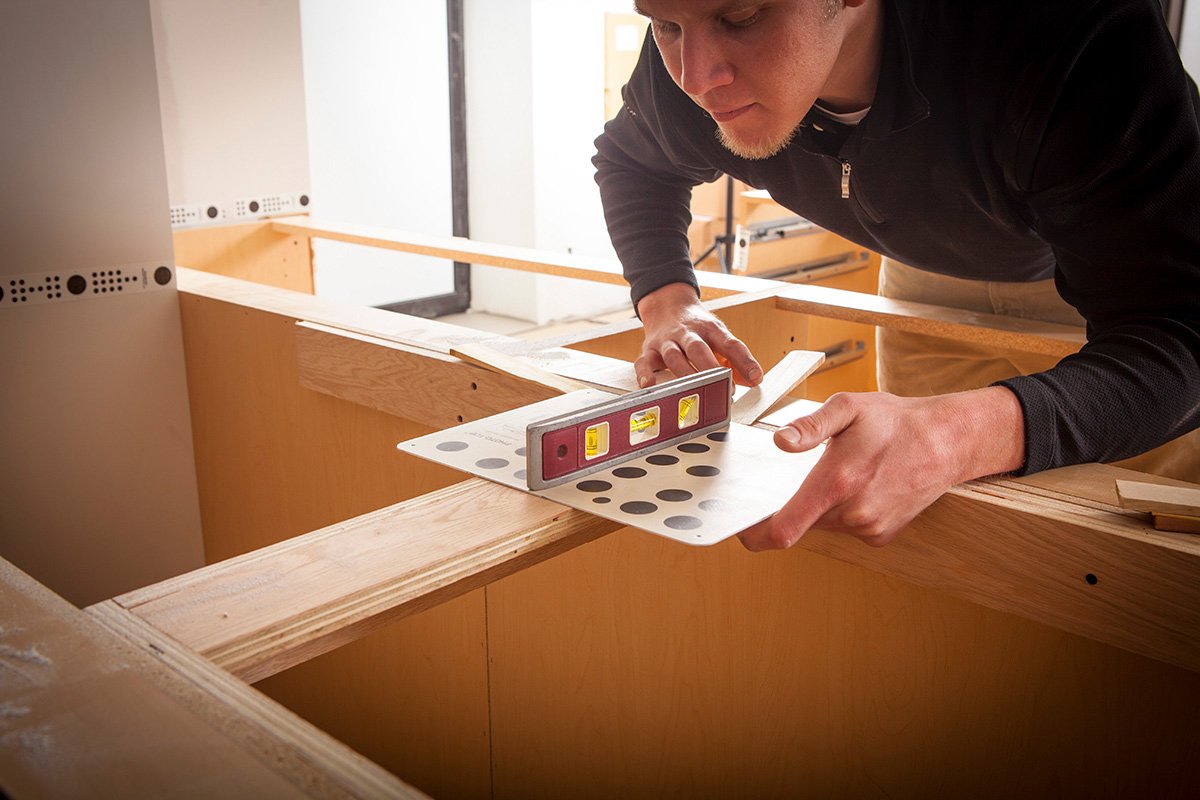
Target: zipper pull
point(845, 180)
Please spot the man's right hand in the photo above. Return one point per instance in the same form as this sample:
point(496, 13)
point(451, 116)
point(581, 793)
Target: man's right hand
point(685, 337)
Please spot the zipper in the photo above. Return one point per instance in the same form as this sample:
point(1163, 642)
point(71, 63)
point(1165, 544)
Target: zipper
point(845, 180)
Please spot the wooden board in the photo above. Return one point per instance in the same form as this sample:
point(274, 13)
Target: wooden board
point(275, 460)
point(419, 385)
point(497, 255)
point(1160, 499)
point(634, 668)
point(253, 252)
point(481, 355)
point(86, 713)
point(1001, 331)
point(260, 613)
point(779, 381)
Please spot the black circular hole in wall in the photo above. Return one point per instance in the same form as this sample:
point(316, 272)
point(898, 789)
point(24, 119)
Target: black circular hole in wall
point(162, 276)
point(76, 284)
point(1091, 579)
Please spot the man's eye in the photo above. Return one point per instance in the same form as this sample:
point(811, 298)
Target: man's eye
point(664, 28)
point(742, 20)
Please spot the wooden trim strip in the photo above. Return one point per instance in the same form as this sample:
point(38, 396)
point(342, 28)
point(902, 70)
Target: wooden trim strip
point(263, 612)
point(1011, 333)
point(779, 381)
point(490, 359)
point(563, 265)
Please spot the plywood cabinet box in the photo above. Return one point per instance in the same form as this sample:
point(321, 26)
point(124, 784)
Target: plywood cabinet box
point(1022, 637)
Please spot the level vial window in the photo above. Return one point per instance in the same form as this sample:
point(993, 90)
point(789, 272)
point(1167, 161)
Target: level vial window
point(689, 411)
point(643, 425)
point(595, 441)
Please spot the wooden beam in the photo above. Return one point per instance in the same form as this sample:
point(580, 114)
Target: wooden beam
point(563, 265)
point(263, 612)
point(1002, 332)
point(1098, 573)
point(93, 709)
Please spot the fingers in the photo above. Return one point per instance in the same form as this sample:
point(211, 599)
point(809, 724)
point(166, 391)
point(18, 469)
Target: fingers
point(820, 500)
point(805, 433)
point(805, 510)
point(648, 363)
point(737, 356)
point(685, 354)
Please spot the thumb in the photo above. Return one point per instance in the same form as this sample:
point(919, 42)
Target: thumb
point(805, 433)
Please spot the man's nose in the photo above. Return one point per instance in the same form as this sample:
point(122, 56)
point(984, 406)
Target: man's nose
point(703, 64)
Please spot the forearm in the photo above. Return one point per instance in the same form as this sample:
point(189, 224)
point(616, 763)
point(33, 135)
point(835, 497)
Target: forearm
point(984, 431)
point(1119, 397)
point(647, 223)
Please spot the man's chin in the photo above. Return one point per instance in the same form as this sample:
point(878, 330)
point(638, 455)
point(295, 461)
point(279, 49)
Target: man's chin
point(753, 149)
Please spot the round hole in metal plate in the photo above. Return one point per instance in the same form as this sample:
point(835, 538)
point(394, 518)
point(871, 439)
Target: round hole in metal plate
point(703, 471)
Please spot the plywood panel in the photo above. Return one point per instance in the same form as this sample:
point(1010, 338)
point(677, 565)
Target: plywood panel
point(96, 707)
point(253, 252)
point(274, 461)
point(632, 668)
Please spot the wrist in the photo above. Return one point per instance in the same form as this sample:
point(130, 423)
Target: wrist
point(669, 296)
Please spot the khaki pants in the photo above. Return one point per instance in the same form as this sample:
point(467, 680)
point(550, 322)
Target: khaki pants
point(916, 365)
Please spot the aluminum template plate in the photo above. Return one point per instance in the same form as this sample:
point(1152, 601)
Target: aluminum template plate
point(698, 491)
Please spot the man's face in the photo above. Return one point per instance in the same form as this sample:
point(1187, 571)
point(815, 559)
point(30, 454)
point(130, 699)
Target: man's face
point(756, 66)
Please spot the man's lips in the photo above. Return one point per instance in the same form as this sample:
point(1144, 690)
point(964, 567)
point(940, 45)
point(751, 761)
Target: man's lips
point(732, 114)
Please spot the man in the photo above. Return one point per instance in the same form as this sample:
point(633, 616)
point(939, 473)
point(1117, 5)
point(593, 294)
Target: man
point(1000, 145)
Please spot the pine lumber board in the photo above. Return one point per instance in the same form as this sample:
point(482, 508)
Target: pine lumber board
point(1000, 331)
point(426, 334)
point(421, 385)
point(87, 711)
point(262, 612)
point(565, 265)
point(321, 764)
point(779, 381)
